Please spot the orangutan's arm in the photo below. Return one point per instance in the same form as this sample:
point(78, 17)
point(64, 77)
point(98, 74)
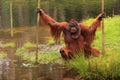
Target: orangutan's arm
point(46, 19)
point(88, 32)
point(56, 27)
point(96, 22)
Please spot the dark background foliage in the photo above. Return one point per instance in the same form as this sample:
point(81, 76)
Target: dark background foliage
point(62, 10)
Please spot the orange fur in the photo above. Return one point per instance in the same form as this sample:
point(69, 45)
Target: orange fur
point(82, 44)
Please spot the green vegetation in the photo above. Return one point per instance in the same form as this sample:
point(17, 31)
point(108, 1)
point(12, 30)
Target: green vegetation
point(9, 45)
point(24, 49)
point(27, 52)
point(50, 57)
point(3, 55)
point(102, 67)
point(29, 45)
point(4, 47)
point(24, 10)
point(44, 58)
point(51, 41)
point(99, 68)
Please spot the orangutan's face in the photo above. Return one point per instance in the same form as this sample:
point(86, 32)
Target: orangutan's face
point(73, 27)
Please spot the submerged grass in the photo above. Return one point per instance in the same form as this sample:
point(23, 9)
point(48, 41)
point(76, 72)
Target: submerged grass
point(9, 45)
point(107, 66)
point(3, 55)
point(27, 52)
point(4, 49)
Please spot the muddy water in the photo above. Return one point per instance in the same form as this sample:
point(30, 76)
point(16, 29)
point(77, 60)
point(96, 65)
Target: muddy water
point(23, 34)
point(14, 69)
point(11, 71)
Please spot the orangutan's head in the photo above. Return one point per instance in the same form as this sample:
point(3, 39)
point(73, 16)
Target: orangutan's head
point(74, 28)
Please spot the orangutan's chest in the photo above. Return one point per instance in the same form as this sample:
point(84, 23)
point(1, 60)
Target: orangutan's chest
point(69, 36)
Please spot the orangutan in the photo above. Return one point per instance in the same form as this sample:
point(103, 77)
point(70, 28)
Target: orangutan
point(77, 36)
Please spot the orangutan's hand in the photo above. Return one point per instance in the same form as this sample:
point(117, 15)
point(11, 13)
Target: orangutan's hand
point(40, 11)
point(101, 15)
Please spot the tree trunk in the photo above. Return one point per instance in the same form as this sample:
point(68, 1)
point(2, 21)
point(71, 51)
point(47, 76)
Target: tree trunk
point(103, 48)
point(38, 20)
point(11, 18)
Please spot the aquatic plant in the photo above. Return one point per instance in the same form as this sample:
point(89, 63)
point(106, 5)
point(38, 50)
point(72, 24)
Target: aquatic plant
point(29, 45)
point(9, 45)
point(50, 57)
point(27, 52)
point(3, 55)
point(22, 50)
point(51, 42)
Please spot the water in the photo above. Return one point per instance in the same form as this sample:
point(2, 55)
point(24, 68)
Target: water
point(13, 68)
point(10, 70)
point(24, 34)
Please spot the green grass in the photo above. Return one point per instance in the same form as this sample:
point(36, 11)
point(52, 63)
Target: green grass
point(24, 48)
point(112, 33)
point(44, 58)
point(102, 67)
point(3, 55)
point(26, 54)
point(4, 47)
point(29, 45)
point(51, 42)
point(9, 44)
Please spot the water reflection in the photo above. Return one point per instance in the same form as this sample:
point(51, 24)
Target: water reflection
point(12, 71)
point(7, 70)
point(42, 72)
point(23, 34)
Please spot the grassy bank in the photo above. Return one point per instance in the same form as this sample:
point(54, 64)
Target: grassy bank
point(102, 67)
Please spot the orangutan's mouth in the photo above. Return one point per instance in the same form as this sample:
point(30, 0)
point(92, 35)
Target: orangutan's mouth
point(73, 30)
